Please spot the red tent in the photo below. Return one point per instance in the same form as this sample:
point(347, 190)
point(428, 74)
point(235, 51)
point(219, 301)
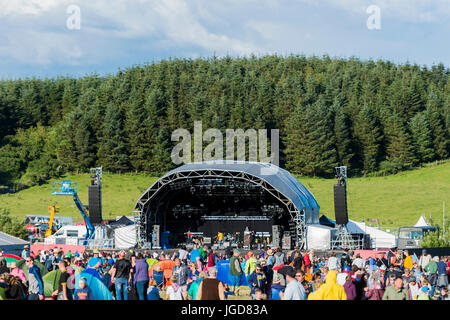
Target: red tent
point(13, 256)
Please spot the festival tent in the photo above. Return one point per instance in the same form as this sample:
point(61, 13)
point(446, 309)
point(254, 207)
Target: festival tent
point(51, 280)
point(93, 272)
point(125, 237)
point(120, 222)
point(12, 244)
point(223, 272)
point(77, 269)
point(11, 258)
point(421, 222)
point(379, 238)
point(98, 288)
point(318, 237)
point(22, 266)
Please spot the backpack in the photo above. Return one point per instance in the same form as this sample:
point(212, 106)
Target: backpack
point(306, 260)
point(49, 263)
point(71, 280)
point(279, 259)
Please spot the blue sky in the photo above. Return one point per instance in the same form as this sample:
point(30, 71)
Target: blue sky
point(115, 34)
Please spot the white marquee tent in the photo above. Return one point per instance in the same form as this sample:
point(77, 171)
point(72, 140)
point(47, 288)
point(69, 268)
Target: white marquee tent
point(421, 222)
point(379, 238)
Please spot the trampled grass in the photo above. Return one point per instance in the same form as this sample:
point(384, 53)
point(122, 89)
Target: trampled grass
point(396, 200)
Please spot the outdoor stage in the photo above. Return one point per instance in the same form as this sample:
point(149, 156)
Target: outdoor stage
point(227, 197)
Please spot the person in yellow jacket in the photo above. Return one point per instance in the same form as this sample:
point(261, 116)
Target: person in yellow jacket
point(250, 264)
point(330, 290)
point(407, 263)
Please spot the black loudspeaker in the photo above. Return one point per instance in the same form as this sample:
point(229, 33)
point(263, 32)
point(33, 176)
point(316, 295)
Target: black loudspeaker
point(276, 236)
point(95, 204)
point(340, 204)
point(155, 237)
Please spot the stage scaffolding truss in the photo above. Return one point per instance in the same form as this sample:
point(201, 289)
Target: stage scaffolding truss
point(297, 215)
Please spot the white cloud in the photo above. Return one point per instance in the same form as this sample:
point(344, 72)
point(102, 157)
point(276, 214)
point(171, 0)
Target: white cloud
point(26, 7)
point(415, 11)
point(35, 32)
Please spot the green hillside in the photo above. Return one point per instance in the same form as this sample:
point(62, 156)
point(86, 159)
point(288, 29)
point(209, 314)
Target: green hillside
point(396, 200)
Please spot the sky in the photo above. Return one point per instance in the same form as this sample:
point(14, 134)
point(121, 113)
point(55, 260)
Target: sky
point(51, 38)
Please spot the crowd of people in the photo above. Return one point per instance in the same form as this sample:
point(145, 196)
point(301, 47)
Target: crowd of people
point(270, 274)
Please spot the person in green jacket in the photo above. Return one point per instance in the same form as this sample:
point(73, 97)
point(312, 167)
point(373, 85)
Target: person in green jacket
point(235, 271)
point(431, 267)
point(193, 289)
point(396, 292)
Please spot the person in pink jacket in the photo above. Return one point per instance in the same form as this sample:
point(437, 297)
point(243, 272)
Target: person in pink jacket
point(16, 272)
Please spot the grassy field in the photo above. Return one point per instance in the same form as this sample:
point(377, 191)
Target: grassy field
point(396, 200)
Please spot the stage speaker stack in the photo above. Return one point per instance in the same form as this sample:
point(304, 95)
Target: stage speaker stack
point(156, 237)
point(340, 204)
point(247, 240)
point(286, 242)
point(95, 204)
point(276, 236)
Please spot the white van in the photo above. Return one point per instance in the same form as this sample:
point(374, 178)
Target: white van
point(73, 235)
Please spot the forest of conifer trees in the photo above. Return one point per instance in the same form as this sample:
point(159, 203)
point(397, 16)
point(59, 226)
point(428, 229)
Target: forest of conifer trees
point(375, 117)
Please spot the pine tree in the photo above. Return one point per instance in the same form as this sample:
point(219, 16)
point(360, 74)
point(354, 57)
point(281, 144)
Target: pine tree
point(112, 152)
point(399, 150)
point(344, 147)
point(139, 129)
point(422, 137)
point(440, 135)
point(310, 144)
point(367, 129)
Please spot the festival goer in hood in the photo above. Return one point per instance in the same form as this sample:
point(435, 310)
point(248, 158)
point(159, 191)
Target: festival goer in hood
point(341, 276)
point(333, 262)
point(350, 288)
point(330, 290)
